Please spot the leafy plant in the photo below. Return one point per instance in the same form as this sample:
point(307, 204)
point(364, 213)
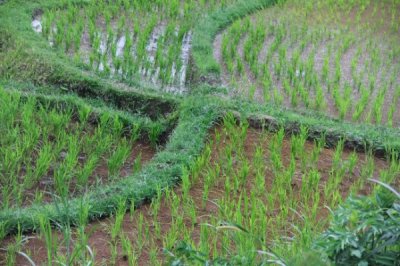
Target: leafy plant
point(364, 231)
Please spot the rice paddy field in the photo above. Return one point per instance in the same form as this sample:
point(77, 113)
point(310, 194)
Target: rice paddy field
point(128, 39)
point(49, 152)
point(342, 59)
point(200, 132)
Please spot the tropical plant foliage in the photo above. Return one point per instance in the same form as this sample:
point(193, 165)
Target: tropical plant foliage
point(364, 231)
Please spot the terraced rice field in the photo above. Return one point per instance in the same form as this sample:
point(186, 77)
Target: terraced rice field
point(55, 151)
point(342, 59)
point(128, 39)
point(199, 132)
point(275, 190)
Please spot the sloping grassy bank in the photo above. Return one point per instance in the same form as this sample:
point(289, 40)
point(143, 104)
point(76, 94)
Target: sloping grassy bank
point(98, 109)
point(381, 140)
point(362, 137)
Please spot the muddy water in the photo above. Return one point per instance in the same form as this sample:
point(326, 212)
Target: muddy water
point(151, 49)
point(120, 45)
point(38, 28)
point(185, 54)
point(178, 75)
point(37, 24)
point(152, 45)
point(102, 50)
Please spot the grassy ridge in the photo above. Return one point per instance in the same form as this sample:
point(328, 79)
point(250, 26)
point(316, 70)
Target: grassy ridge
point(363, 137)
point(205, 66)
point(380, 139)
point(98, 108)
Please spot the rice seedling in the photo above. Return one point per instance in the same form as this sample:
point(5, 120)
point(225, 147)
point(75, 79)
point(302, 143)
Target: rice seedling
point(118, 158)
point(119, 215)
point(51, 243)
point(129, 251)
point(154, 134)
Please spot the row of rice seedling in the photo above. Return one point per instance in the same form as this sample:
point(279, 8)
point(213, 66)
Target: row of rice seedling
point(49, 152)
point(129, 39)
point(293, 56)
point(259, 195)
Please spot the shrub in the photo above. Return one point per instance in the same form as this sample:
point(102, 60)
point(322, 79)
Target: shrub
point(364, 231)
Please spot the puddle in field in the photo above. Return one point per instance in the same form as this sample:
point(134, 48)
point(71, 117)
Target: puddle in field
point(185, 54)
point(120, 45)
point(151, 49)
point(103, 44)
point(38, 28)
point(102, 50)
point(152, 46)
point(37, 24)
point(180, 75)
point(148, 72)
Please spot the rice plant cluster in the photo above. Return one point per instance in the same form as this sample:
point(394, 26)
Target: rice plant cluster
point(52, 152)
